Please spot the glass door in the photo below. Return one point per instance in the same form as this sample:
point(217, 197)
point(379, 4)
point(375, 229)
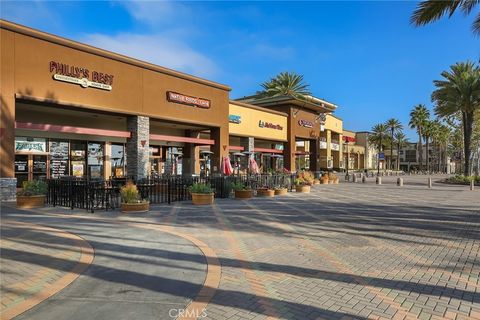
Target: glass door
point(39, 167)
point(21, 169)
point(30, 167)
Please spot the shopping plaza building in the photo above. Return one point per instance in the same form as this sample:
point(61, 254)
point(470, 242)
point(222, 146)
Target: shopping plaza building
point(69, 109)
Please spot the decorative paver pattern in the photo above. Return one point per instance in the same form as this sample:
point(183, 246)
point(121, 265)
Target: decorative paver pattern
point(348, 251)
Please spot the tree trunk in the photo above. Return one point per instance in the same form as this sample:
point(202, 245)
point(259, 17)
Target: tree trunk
point(398, 157)
point(467, 118)
point(391, 150)
point(420, 147)
point(427, 160)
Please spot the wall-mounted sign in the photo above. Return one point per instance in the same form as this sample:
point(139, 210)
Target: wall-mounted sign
point(187, 100)
point(30, 145)
point(234, 119)
point(305, 123)
point(269, 125)
point(323, 144)
point(335, 146)
point(81, 76)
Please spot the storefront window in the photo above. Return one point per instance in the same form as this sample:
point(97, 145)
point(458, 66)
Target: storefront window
point(77, 158)
point(117, 160)
point(95, 160)
point(21, 169)
point(173, 163)
point(58, 159)
point(39, 166)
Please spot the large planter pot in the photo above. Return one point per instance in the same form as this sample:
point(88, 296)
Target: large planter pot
point(28, 202)
point(302, 189)
point(336, 180)
point(202, 198)
point(281, 192)
point(316, 181)
point(324, 180)
point(265, 192)
point(135, 207)
point(243, 194)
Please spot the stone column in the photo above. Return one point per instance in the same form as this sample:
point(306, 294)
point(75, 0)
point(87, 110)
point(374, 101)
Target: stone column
point(138, 147)
point(191, 155)
point(220, 148)
point(8, 182)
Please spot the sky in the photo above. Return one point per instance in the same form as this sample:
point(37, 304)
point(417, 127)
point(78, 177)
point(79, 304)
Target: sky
point(363, 56)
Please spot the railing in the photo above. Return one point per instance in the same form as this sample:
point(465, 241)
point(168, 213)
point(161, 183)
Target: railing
point(105, 194)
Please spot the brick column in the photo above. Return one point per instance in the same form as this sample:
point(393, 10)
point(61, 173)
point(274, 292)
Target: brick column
point(138, 147)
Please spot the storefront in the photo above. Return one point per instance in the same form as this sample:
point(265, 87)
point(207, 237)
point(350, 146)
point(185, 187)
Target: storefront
point(258, 133)
point(331, 146)
point(69, 109)
point(353, 153)
point(306, 120)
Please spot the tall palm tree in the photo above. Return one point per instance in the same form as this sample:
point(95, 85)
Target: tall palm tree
point(418, 117)
point(428, 132)
point(432, 10)
point(377, 138)
point(285, 84)
point(401, 141)
point(394, 126)
point(459, 93)
point(443, 138)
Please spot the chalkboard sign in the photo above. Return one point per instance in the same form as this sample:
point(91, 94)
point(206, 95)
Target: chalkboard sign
point(59, 158)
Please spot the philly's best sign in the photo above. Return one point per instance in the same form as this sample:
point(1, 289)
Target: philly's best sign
point(81, 76)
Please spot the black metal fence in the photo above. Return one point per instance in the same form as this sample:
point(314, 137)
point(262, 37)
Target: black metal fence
point(105, 194)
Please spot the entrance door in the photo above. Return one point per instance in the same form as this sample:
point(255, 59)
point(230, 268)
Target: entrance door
point(30, 167)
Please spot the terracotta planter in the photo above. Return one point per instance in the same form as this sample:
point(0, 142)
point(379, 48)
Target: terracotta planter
point(28, 202)
point(331, 181)
point(265, 192)
point(202, 198)
point(135, 207)
point(302, 189)
point(243, 194)
point(281, 192)
point(316, 181)
point(324, 180)
point(336, 180)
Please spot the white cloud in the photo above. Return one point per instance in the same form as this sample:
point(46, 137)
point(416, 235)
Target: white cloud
point(161, 49)
point(158, 12)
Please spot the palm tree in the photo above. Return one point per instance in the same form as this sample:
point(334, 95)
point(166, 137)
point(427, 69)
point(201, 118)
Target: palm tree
point(459, 93)
point(285, 84)
point(428, 132)
point(394, 126)
point(377, 138)
point(443, 138)
point(418, 117)
point(401, 141)
point(432, 10)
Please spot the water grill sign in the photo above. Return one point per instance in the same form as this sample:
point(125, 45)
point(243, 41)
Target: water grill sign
point(188, 100)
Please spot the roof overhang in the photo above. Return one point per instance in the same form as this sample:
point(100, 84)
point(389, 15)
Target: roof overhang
point(308, 102)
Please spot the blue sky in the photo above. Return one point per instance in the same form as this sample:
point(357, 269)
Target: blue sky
point(363, 56)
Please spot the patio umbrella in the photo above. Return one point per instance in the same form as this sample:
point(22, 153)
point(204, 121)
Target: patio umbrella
point(226, 166)
point(253, 166)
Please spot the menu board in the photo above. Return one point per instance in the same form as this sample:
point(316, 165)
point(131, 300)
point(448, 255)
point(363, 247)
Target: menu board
point(59, 158)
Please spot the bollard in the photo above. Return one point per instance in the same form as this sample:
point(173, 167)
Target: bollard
point(430, 183)
point(400, 182)
point(364, 179)
point(354, 178)
point(347, 177)
point(472, 185)
point(378, 180)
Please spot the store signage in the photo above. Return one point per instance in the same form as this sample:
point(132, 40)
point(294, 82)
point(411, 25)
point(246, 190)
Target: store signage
point(305, 123)
point(81, 76)
point(234, 119)
point(30, 146)
point(381, 156)
point(59, 158)
point(335, 146)
point(323, 144)
point(269, 125)
point(187, 100)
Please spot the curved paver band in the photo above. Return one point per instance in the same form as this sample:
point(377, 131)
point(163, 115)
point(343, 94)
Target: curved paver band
point(86, 258)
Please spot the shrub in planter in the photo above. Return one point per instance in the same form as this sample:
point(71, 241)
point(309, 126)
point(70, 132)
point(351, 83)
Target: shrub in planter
point(324, 179)
point(131, 201)
point(32, 194)
point(265, 192)
point(202, 194)
point(332, 178)
point(242, 191)
point(316, 181)
point(304, 181)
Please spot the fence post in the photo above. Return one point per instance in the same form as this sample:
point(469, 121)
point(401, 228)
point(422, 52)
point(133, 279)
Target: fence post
point(169, 190)
point(364, 179)
point(400, 182)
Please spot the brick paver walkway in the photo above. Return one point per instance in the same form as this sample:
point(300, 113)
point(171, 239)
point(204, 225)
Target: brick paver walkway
point(348, 251)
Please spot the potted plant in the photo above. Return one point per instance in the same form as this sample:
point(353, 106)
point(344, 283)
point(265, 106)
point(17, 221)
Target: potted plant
point(32, 194)
point(280, 191)
point(324, 179)
point(332, 178)
point(131, 201)
point(202, 194)
point(242, 191)
point(265, 192)
point(316, 181)
point(304, 181)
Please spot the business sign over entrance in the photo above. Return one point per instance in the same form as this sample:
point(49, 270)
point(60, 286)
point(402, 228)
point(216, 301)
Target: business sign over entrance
point(263, 124)
point(191, 101)
point(233, 118)
point(81, 76)
point(30, 145)
point(305, 123)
